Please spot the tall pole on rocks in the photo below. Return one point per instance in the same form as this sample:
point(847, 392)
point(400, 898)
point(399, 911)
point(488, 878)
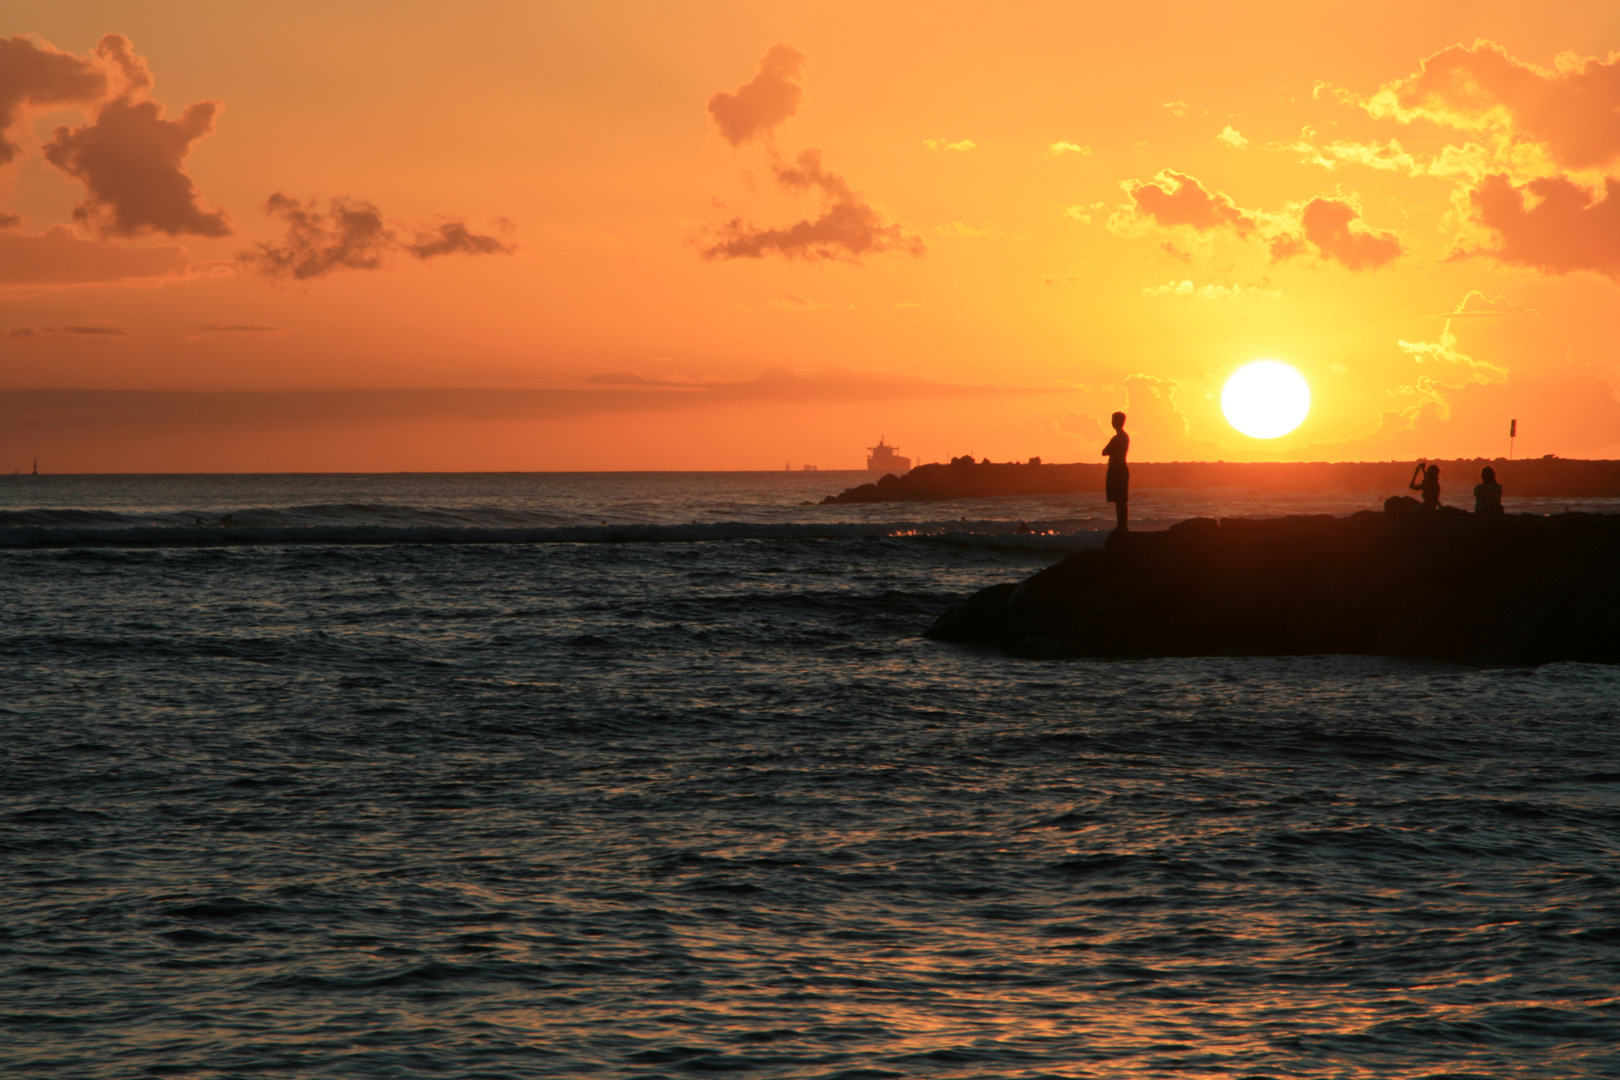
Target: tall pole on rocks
point(1513, 429)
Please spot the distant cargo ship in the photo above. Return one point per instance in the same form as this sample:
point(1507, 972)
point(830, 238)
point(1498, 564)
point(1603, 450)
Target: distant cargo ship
point(887, 459)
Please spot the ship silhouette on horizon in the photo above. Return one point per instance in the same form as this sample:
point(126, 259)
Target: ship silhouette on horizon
point(887, 459)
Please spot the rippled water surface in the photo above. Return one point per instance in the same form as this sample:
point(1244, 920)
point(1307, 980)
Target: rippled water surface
point(686, 808)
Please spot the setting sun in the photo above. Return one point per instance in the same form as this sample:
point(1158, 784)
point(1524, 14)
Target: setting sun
point(1266, 399)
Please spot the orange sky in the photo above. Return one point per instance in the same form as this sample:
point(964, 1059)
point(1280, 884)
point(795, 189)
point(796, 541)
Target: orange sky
point(700, 236)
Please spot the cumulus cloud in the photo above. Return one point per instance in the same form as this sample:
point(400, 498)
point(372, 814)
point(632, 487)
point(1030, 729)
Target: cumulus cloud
point(1562, 226)
point(1232, 137)
point(769, 98)
point(60, 257)
point(38, 75)
point(1059, 148)
point(132, 160)
point(1172, 198)
point(1333, 228)
point(352, 235)
point(848, 228)
point(946, 144)
point(1573, 110)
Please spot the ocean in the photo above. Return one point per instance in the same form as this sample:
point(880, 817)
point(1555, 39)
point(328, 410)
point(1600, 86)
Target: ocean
point(652, 775)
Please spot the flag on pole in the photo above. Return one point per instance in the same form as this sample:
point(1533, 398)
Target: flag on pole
point(1513, 428)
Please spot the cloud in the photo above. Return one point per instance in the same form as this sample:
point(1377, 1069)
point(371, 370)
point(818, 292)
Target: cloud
point(10, 221)
point(1177, 108)
point(1230, 136)
point(132, 160)
point(1172, 198)
point(1565, 228)
point(848, 228)
point(763, 102)
point(39, 75)
point(946, 144)
point(82, 333)
point(1334, 229)
point(1159, 429)
point(352, 235)
point(452, 238)
point(1476, 305)
point(60, 257)
point(790, 301)
point(1058, 148)
point(1573, 111)
point(1187, 290)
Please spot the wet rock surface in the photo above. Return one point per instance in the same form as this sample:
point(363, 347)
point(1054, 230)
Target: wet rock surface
point(1446, 585)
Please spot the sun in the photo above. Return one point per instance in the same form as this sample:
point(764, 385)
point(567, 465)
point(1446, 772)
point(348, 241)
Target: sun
point(1266, 399)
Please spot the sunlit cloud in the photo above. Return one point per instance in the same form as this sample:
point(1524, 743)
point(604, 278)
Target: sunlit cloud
point(1231, 137)
point(1176, 108)
point(58, 256)
point(1188, 291)
point(1551, 224)
point(946, 144)
point(1172, 198)
point(1571, 110)
point(1333, 229)
point(1058, 149)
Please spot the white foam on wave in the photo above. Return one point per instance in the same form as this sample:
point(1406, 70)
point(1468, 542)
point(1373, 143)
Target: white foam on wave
point(975, 534)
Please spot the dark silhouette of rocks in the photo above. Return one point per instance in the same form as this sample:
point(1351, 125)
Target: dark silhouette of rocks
point(1444, 585)
point(965, 478)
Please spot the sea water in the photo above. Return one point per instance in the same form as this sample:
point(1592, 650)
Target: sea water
point(638, 775)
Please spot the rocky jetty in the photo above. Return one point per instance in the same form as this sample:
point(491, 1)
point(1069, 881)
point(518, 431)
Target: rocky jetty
point(965, 478)
point(1517, 589)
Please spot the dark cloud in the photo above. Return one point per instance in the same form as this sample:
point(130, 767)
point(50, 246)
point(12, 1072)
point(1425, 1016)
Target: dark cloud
point(236, 328)
point(1574, 111)
point(132, 160)
point(93, 333)
point(1172, 198)
point(1333, 228)
point(58, 256)
point(352, 235)
point(766, 100)
point(10, 221)
point(848, 228)
point(1568, 228)
point(453, 237)
point(37, 74)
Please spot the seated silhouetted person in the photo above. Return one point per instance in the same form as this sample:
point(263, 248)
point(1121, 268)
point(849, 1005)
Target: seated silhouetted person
point(1430, 485)
point(1488, 493)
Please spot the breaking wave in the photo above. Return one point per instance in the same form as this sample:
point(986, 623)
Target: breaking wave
point(79, 528)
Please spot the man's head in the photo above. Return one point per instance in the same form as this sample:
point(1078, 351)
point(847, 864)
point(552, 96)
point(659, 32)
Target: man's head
point(1488, 475)
point(1118, 420)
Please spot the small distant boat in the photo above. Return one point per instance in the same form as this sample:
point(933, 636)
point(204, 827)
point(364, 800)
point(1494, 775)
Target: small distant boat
point(887, 459)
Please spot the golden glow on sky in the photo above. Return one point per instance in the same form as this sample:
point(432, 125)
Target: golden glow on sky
point(732, 235)
point(1266, 399)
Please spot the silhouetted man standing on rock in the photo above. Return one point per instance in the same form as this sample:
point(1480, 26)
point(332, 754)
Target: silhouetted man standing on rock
point(1119, 474)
